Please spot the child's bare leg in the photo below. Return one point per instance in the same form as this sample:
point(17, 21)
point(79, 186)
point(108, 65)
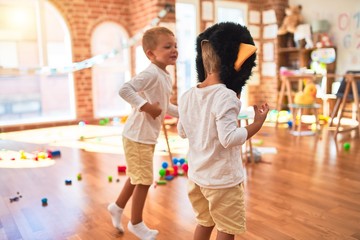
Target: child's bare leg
point(224, 236)
point(138, 203)
point(125, 194)
point(116, 209)
point(136, 225)
point(202, 233)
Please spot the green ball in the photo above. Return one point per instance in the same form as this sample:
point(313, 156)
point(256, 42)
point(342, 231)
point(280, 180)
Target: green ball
point(162, 172)
point(347, 146)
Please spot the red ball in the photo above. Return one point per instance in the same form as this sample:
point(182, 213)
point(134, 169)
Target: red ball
point(185, 167)
point(175, 170)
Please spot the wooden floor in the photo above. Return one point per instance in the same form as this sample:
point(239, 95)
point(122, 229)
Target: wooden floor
point(309, 190)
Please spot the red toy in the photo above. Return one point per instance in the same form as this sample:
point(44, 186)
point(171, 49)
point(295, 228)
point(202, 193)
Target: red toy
point(121, 169)
point(185, 167)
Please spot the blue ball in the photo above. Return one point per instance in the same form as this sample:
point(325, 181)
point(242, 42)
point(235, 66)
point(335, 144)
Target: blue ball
point(182, 161)
point(165, 165)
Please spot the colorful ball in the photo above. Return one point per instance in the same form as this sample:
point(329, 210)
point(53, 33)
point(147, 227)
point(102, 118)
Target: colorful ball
point(347, 146)
point(164, 165)
point(170, 170)
point(176, 169)
point(185, 167)
point(162, 172)
point(182, 161)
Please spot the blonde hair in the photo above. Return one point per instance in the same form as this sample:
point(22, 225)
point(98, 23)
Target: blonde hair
point(150, 38)
point(211, 60)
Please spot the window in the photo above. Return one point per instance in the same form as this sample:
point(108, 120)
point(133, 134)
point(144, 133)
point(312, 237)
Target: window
point(233, 12)
point(186, 33)
point(9, 55)
point(141, 60)
point(110, 75)
point(29, 92)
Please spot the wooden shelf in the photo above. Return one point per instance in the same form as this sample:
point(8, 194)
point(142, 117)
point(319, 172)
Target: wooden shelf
point(295, 58)
point(300, 50)
point(295, 50)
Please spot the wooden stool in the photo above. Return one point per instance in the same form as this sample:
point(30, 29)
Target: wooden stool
point(285, 89)
point(298, 112)
point(349, 91)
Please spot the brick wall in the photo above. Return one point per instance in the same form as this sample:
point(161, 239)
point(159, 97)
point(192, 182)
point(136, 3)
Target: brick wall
point(269, 86)
point(267, 90)
point(82, 16)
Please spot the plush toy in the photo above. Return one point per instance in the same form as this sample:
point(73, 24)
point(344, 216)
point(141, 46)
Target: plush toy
point(302, 36)
point(235, 47)
point(288, 27)
point(324, 41)
point(307, 96)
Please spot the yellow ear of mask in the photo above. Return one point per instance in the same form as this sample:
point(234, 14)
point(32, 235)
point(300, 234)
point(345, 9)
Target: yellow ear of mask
point(245, 51)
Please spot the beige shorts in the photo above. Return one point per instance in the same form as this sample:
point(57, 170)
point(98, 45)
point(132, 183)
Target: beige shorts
point(139, 161)
point(224, 208)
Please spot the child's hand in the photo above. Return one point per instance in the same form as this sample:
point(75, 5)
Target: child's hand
point(261, 113)
point(153, 109)
point(259, 119)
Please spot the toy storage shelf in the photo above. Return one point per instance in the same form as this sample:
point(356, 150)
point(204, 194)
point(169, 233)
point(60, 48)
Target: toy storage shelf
point(296, 58)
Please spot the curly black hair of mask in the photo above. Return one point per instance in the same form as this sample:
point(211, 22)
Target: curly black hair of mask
point(225, 38)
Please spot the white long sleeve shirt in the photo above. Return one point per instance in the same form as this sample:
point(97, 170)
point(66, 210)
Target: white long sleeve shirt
point(151, 85)
point(208, 118)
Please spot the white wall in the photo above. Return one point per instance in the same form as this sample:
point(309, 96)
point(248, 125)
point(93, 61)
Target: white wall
point(344, 18)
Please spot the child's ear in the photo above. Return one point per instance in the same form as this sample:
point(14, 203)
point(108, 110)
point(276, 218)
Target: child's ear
point(149, 54)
